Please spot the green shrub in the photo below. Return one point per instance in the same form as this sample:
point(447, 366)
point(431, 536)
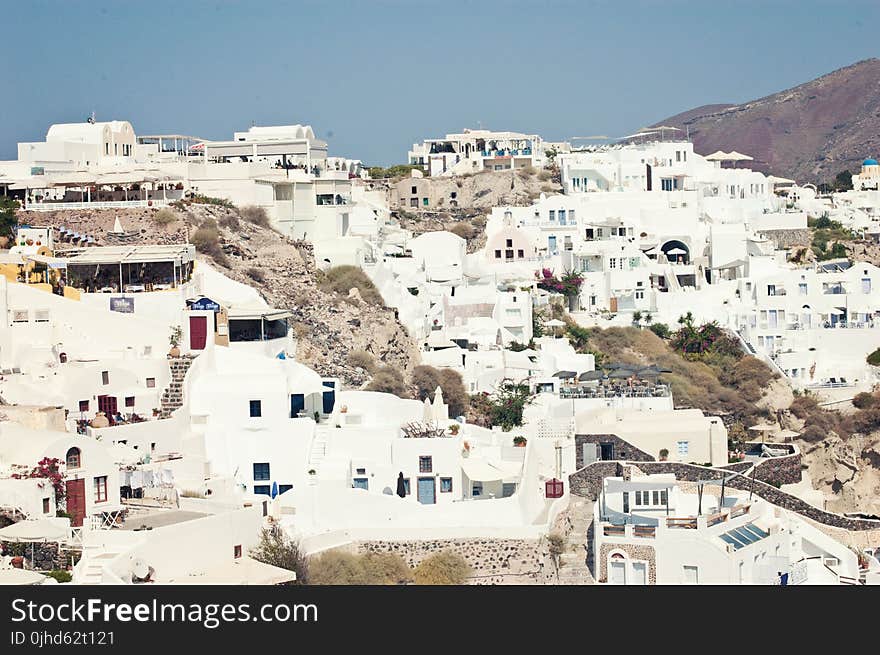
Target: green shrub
point(464, 230)
point(340, 568)
point(336, 568)
point(361, 359)
point(444, 568)
point(199, 199)
point(874, 358)
point(277, 549)
point(388, 380)
point(342, 279)
point(255, 274)
point(164, 217)
point(865, 400)
point(660, 329)
point(255, 215)
point(207, 241)
point(60, 575)
point(230, 221)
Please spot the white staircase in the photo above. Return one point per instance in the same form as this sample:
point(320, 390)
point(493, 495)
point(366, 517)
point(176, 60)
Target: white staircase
point(319, 447)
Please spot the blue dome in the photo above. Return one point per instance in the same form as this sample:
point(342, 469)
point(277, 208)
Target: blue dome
point(870, 162)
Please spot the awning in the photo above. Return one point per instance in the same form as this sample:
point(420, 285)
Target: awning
point(267, 314)
point(617, 486)
point(482, 470)
point(36, 530)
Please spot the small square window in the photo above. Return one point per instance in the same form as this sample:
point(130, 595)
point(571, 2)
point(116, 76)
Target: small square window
point(445, 485)
point(105, 377)
point(83, 405)
point(415, 190)
point(497, 254)
point(129, 401)
point(261, 471)
point(509, 243)
point(256, 408)
point(361, 471)
point(426, 464)
point(236, 551)
point(406, 486)
point(477, 489)
point(46, 506)
point(521, 254)
point(151, 383)
point(262, 489)
point(100, 489)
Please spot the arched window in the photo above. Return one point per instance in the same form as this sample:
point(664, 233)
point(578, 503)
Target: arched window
point(73, 458)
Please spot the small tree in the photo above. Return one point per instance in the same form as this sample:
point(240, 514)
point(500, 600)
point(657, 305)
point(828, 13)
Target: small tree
point(8, 217)
point(444, 568)
point(508, 402)
point(556, 546)
point(637, 318)
point(277, 549)
point(175, 336)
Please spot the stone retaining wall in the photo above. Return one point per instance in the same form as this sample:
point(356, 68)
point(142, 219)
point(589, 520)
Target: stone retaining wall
point(623, 450)
point(588, 481)
point(634, 551)
point(784, 239)
point(492, 561)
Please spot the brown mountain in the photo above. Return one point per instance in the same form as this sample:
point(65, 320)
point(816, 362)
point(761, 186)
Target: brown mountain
point(810, 132)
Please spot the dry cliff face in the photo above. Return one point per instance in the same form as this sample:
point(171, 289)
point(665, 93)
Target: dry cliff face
point(810, 132)
point(327, 326)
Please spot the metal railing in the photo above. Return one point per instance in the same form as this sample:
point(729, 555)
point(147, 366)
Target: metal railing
point(118, 204)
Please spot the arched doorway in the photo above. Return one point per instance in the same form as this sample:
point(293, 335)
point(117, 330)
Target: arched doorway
point(676, 252)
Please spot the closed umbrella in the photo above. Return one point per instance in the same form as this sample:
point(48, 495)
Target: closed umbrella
point(401, 485)
point(274, 489)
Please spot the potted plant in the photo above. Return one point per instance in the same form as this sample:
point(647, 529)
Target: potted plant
point(520, 441)
point(317, 416)
point(174, 339)
point(343, 409)
point(454, 428)
point(664, 453)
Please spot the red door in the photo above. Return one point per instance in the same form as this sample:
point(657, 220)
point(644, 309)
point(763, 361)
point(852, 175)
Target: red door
point(198, 332)
point(107, 404)
point(76, 501)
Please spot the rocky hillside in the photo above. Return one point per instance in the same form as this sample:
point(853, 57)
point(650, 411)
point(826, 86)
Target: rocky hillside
point(810, 132)
point(328, 326)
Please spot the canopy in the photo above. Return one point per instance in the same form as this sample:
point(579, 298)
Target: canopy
point(763, 427)
point(483, 471)
point(733, 155)
point(785, 435)
point(591, 375)
point(621, 374)
point(772, 179)
point(676, 251)
point(554, 322)
point(565, 375)
point(617, 486)
point(35, 530)
point(718, 155)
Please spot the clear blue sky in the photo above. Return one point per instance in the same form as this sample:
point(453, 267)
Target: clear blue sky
point(373, 77)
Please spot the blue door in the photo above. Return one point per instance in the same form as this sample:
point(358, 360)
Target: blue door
point(426, 491)
point(551, 244)
point(329, 398)
point(297, 404)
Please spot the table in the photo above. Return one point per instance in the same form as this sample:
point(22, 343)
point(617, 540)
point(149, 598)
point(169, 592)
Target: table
point(133, 288)
point(107, 290)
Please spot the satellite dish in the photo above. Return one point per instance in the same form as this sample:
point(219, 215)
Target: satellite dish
point(140, 569)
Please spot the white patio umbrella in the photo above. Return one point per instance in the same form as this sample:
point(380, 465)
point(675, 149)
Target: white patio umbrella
point(763, 428)
point(20, 577)
point(36, 531)
point(554, 322)
point(718, 155)
point(733, 155)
